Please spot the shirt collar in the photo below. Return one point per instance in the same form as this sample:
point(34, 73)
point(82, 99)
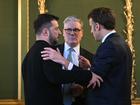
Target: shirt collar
point(104, 38)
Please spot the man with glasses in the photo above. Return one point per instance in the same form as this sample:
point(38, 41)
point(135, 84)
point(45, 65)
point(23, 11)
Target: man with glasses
point(73, 33)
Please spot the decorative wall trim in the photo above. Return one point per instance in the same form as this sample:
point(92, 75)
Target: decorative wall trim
point(130, 40)
point(136, 101)
point(27, 27)
point(42, 7)
point(19, 49)
point(20, 43)
point(11, 102)
point(17, 102)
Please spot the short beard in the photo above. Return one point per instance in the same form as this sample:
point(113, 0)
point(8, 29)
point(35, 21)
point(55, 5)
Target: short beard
point(52, 41)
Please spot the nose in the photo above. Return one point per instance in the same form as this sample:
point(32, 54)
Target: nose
point(72, 32)
point(91, 30)
point(60, 32)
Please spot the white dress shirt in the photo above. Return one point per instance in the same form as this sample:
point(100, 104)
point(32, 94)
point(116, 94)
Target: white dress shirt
point(75, 55)
point(111, 32)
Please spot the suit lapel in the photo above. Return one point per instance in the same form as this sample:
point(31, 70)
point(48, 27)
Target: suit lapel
point(61, 48)
point(82, 51)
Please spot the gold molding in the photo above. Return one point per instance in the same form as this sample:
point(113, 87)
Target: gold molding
point(129, 34)
point(42, 6)
point(19, 49)
point(136, 101)
point(11, 102)
point(27, 27)
point(20, 43)
point(21, 102)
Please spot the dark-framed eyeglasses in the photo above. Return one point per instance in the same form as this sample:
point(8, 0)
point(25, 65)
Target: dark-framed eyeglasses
point(70, 30)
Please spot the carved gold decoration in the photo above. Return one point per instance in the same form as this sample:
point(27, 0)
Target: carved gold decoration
point(129, 33)
point(42, 7)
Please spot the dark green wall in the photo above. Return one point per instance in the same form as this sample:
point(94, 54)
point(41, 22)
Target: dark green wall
point(8, 48)
point(33, 15)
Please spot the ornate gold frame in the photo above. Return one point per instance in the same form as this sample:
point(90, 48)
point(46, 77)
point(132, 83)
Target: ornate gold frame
point(20, 43)
point(129, 33)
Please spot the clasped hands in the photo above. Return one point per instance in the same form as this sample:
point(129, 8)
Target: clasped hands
point(51, 54)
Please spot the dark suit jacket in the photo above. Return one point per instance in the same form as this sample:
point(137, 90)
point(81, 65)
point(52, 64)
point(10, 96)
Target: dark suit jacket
point(43, 79)
point(113, 62)
point(80, 100)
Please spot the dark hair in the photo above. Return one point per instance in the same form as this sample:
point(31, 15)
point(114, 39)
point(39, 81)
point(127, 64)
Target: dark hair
point(43, 19)
point(103, 16)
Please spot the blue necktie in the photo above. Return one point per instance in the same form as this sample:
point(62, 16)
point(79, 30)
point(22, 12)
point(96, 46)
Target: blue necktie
point(66, 87)
point(69, 57)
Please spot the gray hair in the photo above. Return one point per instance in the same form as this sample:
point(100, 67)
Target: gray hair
point(74, 19)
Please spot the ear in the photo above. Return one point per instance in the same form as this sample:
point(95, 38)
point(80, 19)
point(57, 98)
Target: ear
point(82, 31)
point(45, 32)
point(97, 26)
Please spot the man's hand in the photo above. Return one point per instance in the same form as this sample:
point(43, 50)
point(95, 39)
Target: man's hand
point(96, 80)
point(51, 54)
point(84, 63)
point(76, 90)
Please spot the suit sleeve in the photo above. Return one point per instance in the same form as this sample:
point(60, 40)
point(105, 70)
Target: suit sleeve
point(56, 75)
point(104, 60)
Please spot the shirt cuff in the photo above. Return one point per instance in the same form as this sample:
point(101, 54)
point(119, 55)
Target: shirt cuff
point(88, 68)
point(70, 66)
